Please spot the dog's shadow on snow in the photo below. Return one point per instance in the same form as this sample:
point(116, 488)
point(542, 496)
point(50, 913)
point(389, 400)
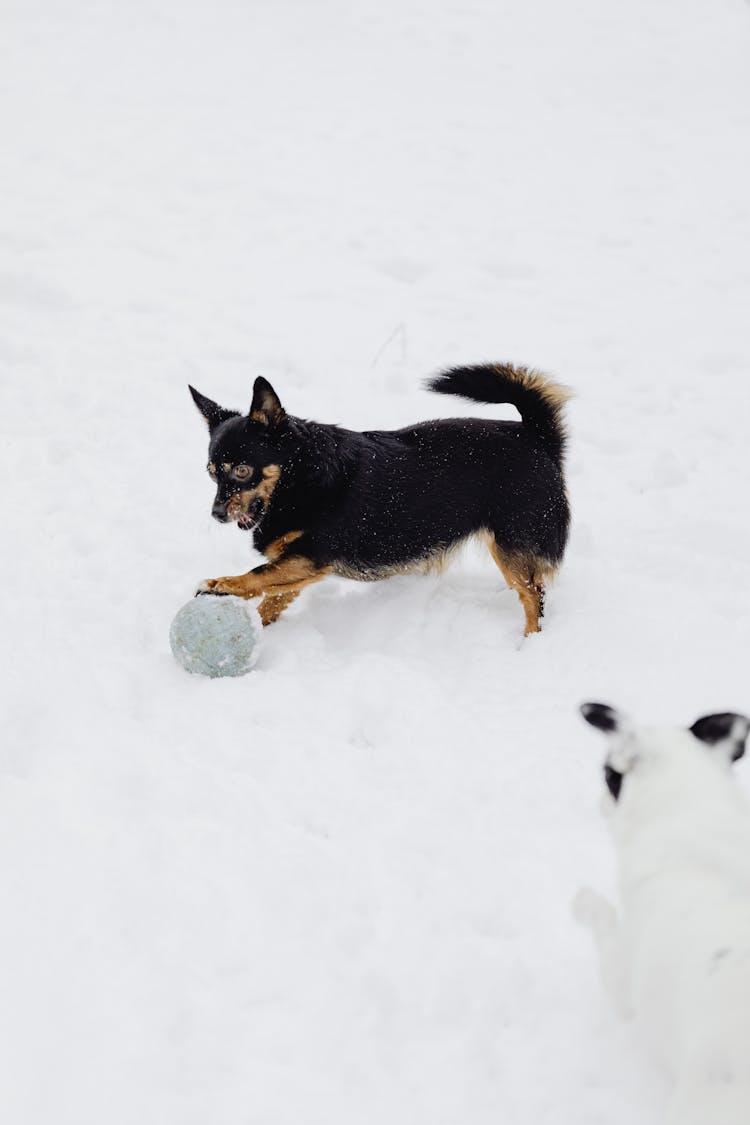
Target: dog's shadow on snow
point(419, 615)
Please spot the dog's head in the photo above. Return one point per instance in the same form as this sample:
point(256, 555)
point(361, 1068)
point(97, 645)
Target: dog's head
point(246, 454)
point(723, 735)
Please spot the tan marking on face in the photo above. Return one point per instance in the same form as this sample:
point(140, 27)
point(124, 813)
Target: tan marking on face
point(274, 550)
point(271, 475)
point(239, 503)
point(227, 467)
point(211, 469)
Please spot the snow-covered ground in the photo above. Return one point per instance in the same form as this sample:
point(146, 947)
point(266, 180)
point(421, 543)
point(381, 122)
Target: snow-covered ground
point(338, 890)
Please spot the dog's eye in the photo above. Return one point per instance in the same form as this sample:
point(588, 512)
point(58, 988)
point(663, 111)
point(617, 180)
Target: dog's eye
point(242, 472)
point(211, 470)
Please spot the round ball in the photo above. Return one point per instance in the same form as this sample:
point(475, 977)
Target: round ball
point(216, 636)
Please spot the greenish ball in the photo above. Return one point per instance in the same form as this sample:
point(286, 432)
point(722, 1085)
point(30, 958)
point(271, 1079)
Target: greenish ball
point(216, 636)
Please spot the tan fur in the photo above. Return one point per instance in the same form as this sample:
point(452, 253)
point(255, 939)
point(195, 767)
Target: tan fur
point(526, 575)
point(279, 546)
point(272, 607)
point(280, 580)
point(554, 394)
point(288, 575)
point(266, 418)
point(240, 502)
point(271, 474)
point(435, 563)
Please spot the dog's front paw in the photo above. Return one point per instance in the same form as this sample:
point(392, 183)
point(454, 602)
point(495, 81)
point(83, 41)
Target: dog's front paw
point(242, 586)
point(210, 586)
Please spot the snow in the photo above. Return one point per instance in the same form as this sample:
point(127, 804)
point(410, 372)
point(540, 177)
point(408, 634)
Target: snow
point(339, 889)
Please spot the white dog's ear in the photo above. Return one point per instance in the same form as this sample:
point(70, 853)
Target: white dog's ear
point(621, 755)
point(725, 732)
point(604, 718)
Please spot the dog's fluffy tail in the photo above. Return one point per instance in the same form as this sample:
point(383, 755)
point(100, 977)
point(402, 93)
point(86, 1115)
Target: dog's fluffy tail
point(537, 399)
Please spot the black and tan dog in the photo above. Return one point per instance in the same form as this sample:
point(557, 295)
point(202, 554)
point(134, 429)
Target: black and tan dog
point(323, 500)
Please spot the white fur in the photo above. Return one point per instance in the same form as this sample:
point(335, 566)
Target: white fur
point(679, 959)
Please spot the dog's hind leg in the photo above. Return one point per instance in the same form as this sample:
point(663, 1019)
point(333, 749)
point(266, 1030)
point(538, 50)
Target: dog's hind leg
point(523, 574)
point(273, 605)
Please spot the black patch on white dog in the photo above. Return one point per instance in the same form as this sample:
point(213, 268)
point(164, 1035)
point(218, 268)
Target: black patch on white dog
point(613, 779)
point(726, 726)
point(601, 716)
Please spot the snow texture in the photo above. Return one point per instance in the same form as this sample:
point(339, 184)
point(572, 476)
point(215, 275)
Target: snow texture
point(338, 890)
point(678, 961)
point(216, 636)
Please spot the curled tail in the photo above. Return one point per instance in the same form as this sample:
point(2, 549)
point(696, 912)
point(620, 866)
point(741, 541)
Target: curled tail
point(537, 399)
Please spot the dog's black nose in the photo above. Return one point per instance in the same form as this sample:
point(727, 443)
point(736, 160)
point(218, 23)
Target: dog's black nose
point(219, 512)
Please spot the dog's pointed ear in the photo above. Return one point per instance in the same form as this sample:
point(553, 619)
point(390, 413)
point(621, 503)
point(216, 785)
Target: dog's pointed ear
point(211, 411)
point(266, 407)
point(725, 732)
point(604, 718)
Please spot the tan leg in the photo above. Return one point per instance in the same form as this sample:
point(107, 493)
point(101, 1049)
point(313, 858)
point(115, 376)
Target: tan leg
point(272, 606)
point(284, 576)
point(520, 573)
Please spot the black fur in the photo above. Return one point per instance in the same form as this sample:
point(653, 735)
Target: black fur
point(613, 780)
point(499, 383)
point(373, 503)
point(601, 716)
point(725, 727)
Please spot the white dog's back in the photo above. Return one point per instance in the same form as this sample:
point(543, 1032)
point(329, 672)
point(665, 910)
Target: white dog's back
point(680, 959)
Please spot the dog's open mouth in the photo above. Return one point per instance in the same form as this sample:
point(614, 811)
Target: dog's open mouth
point(252, 516)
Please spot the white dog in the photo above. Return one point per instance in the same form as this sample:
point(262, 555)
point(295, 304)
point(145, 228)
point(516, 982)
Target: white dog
point(679, 960)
